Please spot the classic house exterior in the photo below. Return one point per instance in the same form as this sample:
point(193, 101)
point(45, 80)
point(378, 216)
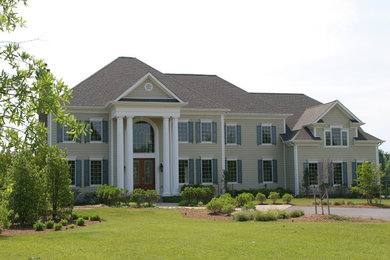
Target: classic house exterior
point(158, 131)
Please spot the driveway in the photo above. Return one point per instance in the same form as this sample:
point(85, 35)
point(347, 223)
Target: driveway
point(351, 212)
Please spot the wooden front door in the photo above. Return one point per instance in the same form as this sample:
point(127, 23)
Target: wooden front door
point(144, 174)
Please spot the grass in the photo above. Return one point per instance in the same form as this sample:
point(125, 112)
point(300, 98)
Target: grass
point(158, 234)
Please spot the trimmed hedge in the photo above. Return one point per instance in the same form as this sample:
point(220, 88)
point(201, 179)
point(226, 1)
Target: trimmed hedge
point(266, 192)
point(194, 195)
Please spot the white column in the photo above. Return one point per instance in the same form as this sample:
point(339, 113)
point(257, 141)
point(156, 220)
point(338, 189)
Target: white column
point(129, 154)
point(175, 157)
point(166, 170)
point(119, 155)
point(111, 147)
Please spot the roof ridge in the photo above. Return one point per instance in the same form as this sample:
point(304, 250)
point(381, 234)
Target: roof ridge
point(189, 74)
point(277, 93)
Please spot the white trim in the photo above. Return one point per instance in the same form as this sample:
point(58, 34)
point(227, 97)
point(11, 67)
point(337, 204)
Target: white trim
point(342, 130)
point(262, 136)
point(348, 112)
point(71, 158)
point(284, 126)
point(141, 80)
point(111, 152)
point(296, 176)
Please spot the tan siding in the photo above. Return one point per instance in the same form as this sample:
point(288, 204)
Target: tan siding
point(336, 117)
point(140, 91)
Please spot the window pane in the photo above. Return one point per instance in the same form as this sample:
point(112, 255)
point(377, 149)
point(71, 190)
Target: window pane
point(313, 173)
point(267, 170)
point(206, 132)
point(183, 171)
point(231, 171)
point(183, 132)
point(207, 174)
point(336, 136)
point(337, 173)
point(143, 138)
point(266, 134)
point(345, 138)
point(97, 130)
point(231, 134)
point(67, 137)
point(72, 172)
point(96, 172)
point(327, 137)
point(136, 172)
point(148, 172)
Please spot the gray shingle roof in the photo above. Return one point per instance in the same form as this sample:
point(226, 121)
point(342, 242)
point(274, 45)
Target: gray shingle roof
point(311, 114)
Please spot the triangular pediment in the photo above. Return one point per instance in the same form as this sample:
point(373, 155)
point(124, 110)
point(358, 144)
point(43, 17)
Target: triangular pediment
point(149, 89)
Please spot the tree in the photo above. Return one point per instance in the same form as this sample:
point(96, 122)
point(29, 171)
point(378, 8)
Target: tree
point(369, 176)
point(27, 90)
point(57, 181)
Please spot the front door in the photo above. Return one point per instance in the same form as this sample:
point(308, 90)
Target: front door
point(144, 174)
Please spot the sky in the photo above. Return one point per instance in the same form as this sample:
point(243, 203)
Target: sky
point(334, 49)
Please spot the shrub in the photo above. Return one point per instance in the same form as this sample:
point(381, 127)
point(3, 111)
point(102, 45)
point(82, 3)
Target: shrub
point(287, 198)
point(85, 217)
point(108, 195)
point(195, 194)
point(243, 216)
point(339, 202)
point(260, 197)
point(350, 203)
point(172, 199)
point(133, 205)
point(138, 196)
point(297, 213)
point(64, 222)
point(49, 224)
point(75, 215)
point(95, 218)
point(265, 216)
point(80, 222)
point(274, 196)
point(57, 227)
point(1, 231)
point(337, 218)
point(152, 197)
point(283, 214)
point(265, 191)
point(183, 203)
point(39, 226)
point(244, 198)
point(249, 205)
point(144, 205)
point(71, 226)
point(223, 204)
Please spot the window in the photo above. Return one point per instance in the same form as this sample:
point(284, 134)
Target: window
point(97, 131)
point(183, 171)
point(96, 172)
point(231, 171)
point(183, 131)
point(336, 137)
point(72, 171)
point(231, 134)
point(67, 137)
point(337, 173)
point(143, 138)
point(267, 170)
point(266, 134)
point(313, 173)
point(207, 171)
point(206, 131)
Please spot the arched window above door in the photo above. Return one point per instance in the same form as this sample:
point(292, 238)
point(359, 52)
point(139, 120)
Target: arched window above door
point(143, 138)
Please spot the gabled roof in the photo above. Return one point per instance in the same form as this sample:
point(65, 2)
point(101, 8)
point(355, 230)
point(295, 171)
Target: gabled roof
point(312, 115)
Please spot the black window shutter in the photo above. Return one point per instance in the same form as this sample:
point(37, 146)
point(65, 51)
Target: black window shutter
point(215, 171)
point(275, 170)
point(191, 171)
point(59, 133)
point(105, 131)
point(197, 131)
point(214, 131)
point(260, 171)
point(259, 138)
point(78, 173)
point(105, 172)
point(273, 135)
point(239, 171)
point(86, 173)
point(238, 134)
point(190, 132)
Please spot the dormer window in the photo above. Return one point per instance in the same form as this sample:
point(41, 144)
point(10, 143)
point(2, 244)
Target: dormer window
point(336, 136)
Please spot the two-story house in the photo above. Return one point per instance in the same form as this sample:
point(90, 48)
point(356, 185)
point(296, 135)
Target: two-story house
point(158, 131)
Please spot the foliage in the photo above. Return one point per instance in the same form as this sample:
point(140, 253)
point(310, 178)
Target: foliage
point(49, 224)
point(138, 196)
point(249, 205)
point(152, 197)
point(211, 187)
point(287, 198)
point(243, 216)
point(29, 201)
point(109, 195)
point(80, 222)
point(57, 227)
point(369, 176)
point(193, 195)
point(274, 196)
point(260, 197)
point(225, 204)
point(297, 213)
point(87, 198)
point(86, 217)
point(71, 226)
point(58, 188)
point(95, 217)
point(38, 226)
point(74, 215)
point(265, 215)
point(64, 222)
point(337, 218)
point(172, 199)
point(283, 214)
point(265, 191)
point(339, 202)
point(133, 205)
point(244, 198)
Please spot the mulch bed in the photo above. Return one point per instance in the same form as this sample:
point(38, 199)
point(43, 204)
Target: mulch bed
point(204, 214)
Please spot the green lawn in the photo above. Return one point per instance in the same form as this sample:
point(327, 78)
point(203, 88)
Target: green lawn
point(158, 234)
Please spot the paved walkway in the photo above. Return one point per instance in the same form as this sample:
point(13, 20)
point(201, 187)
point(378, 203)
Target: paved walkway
point(351, 212)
